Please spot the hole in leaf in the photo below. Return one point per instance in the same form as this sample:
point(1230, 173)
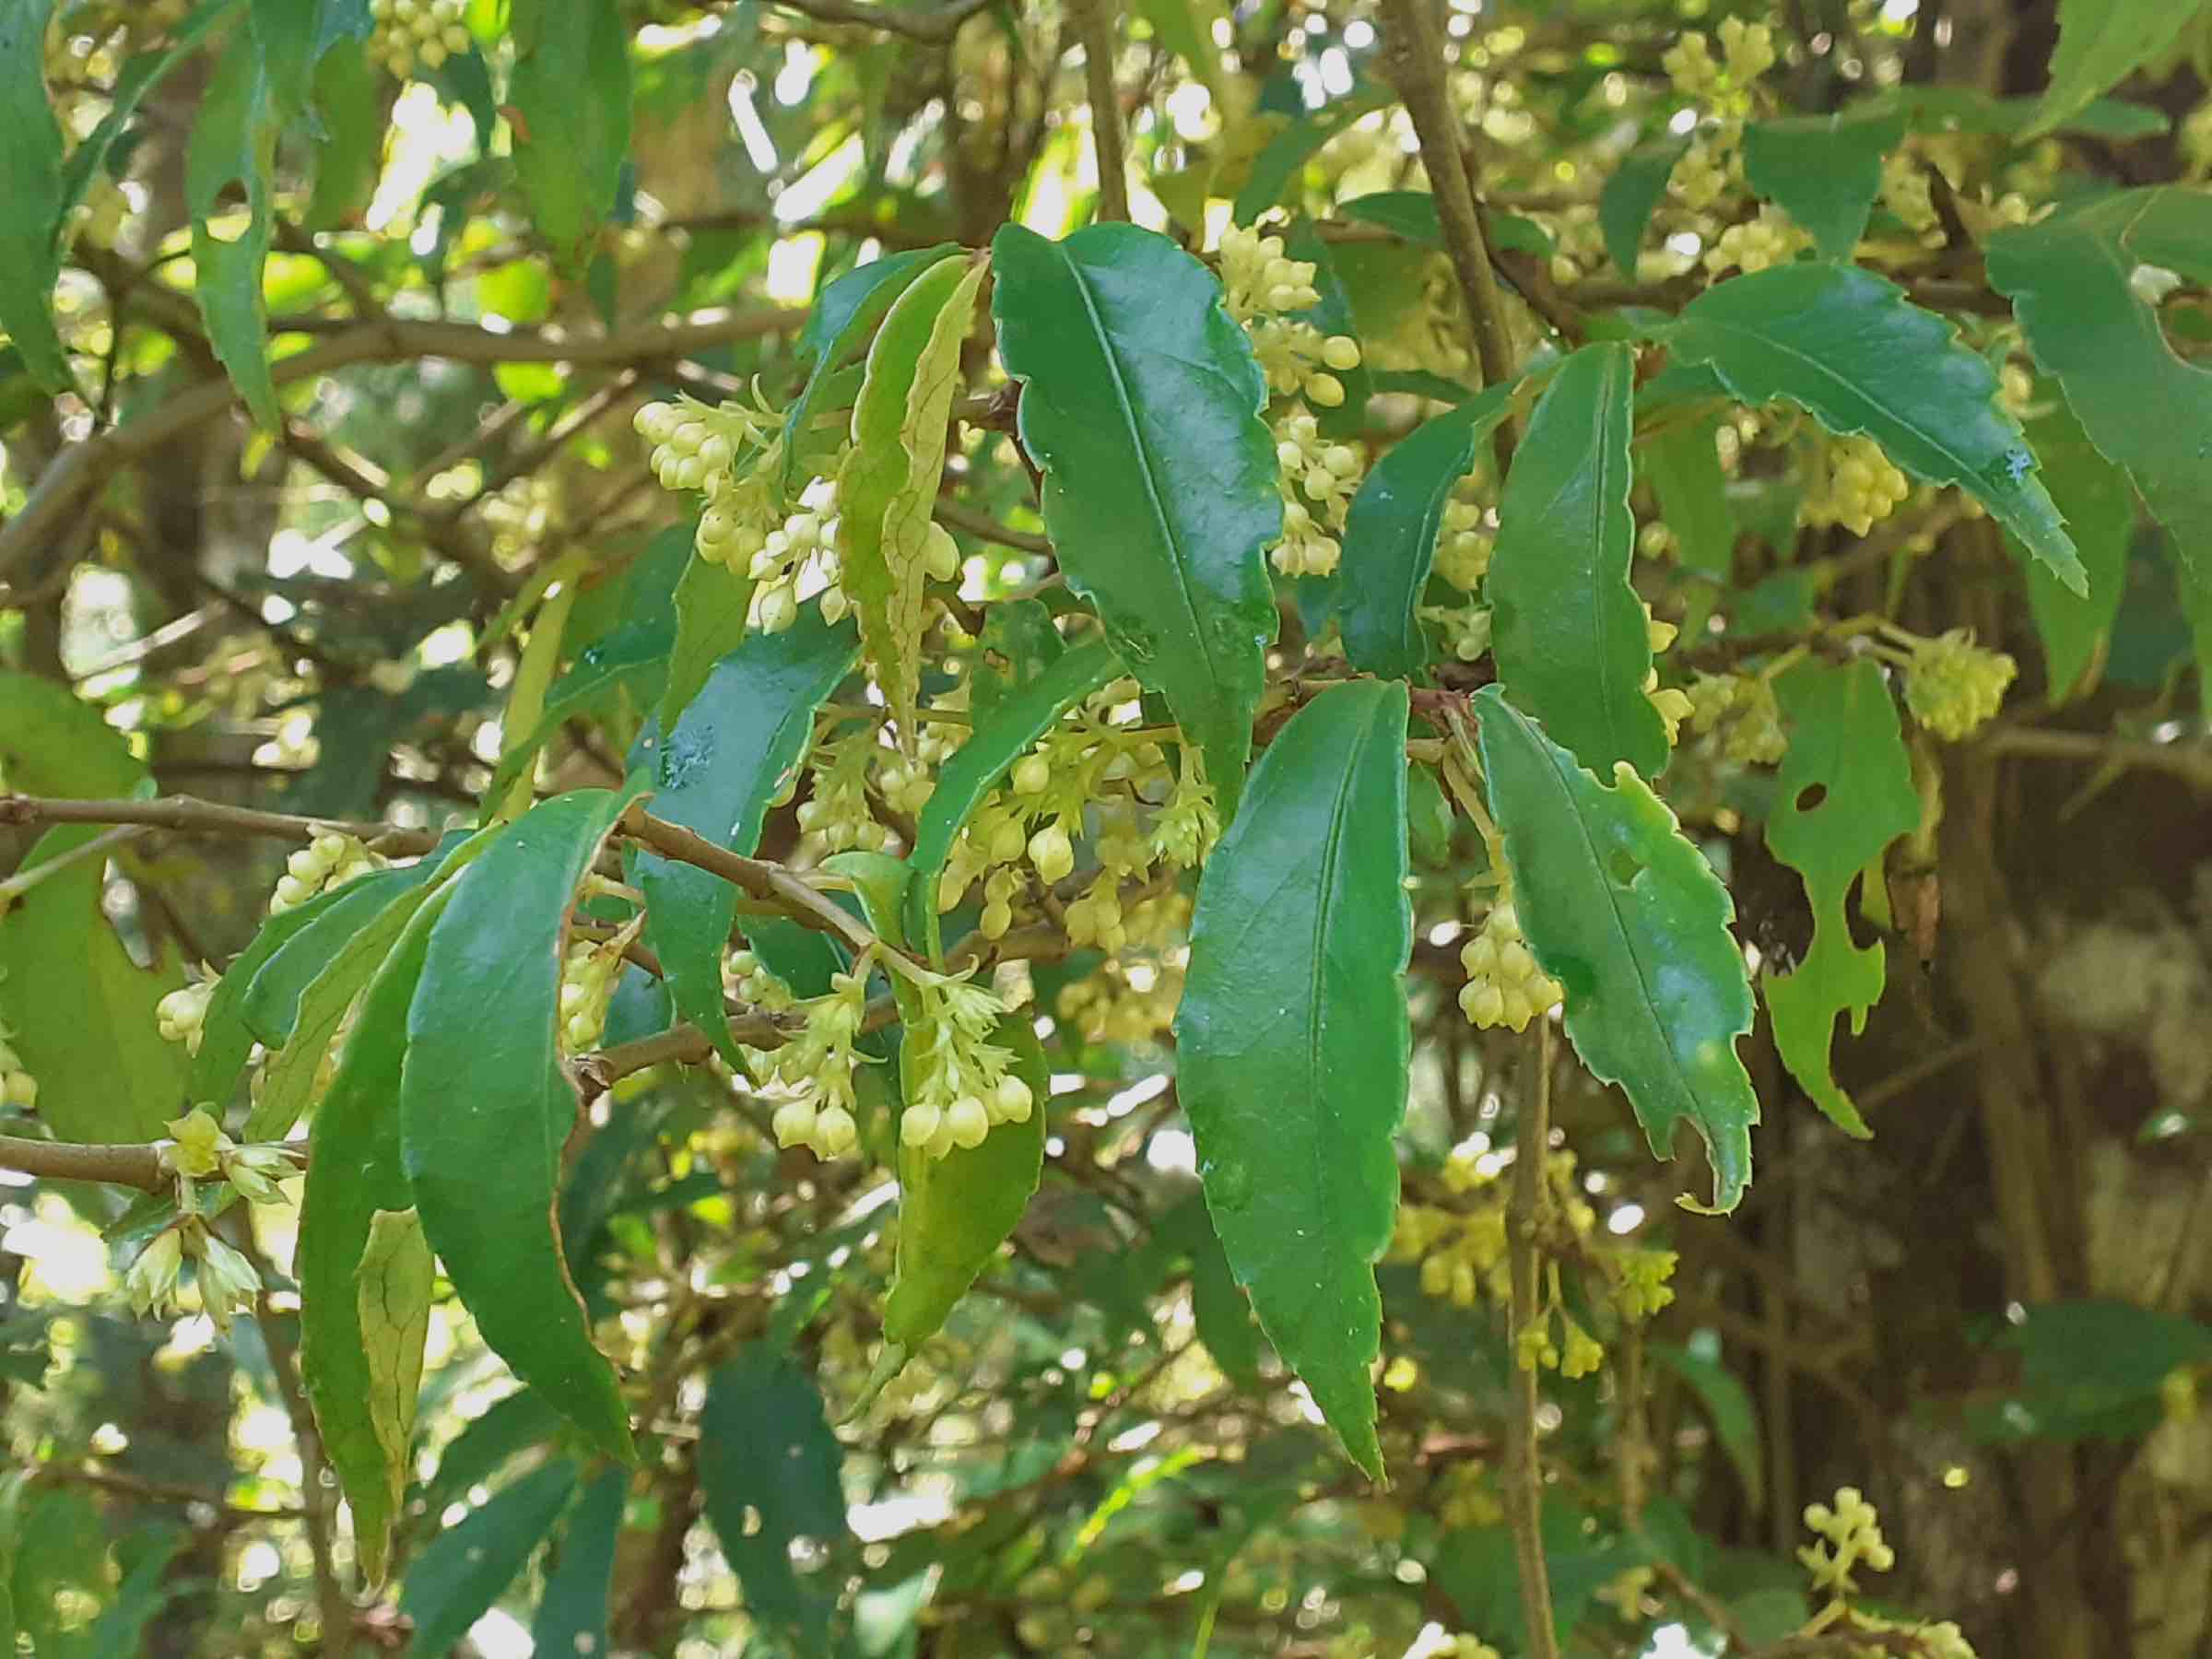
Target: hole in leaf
point(1624, 866)
point(1864, 932)
point(1810, 797)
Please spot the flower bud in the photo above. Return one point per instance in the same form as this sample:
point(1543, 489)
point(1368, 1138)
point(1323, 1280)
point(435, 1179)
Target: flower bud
point(1032, 775)
point(968, 1120)
point(1340, 352)
point(794, 1122)
point(918, 1125)
point(835, 1132)
point(1326, 390)
point(151, 1281)
point(1051, 853)
point(1012, 1099)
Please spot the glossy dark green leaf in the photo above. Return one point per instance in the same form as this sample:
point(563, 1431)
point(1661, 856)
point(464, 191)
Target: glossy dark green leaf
point(2100, 504)
point(844, 317)
point(468, 1566)
point(484, 1106)
point(1928, 108)
point(956, 1211)
point(301, 944)
point(2142, 404)
point(1843, 794)
point(768, 1469)
point(1824, 171)
point(1728, 1406)
point(1141, 403)
point(1624, 912)
point(1390, 534)
point(1567, 628)
point(1684, 466)
point(888, 484)
point(1018, 719)
point(712, 600)
point(737, 744)
point(1222, 1315)
point(1412, 215)
point(353, 1172)
point(1850, 349)
point(1274, 169)
point(487, 1443)
point(30, 174)
point(349, 151)
point(634, 656)
point(233, 145)
point(79, 1012)
point(2094, 1369)
point(2101, 43)
point(1631, 196)
point(571, 92)
point(573, 1614)
point(1292, 1039)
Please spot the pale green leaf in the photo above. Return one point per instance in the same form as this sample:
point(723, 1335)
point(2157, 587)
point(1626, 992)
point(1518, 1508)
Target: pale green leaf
point(30, 176)
point(1567, 628)
point(1843, 794)
point(1628, 916)
point(571, 99)
point(396, 1277)
point(1630, 197)
point(1850, 348)
point(1292, 1039)
point(234, 147)
point(2101, 43)
point(1289, 151)
point(889, 482)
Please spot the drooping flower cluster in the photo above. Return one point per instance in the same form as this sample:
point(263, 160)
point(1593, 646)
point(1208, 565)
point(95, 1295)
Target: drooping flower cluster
point(181, 1016)
point(1671, 702)
point(328, 861)
point(1853, 484)
point(1953, 686)
point(815, 1070)
point(588, 976)
point(408, 32)
point(1504, 985)
point(1850, 1532)
point(201, 1151)
point(1756, 244)
point(958, 1082)
point(1740, 711)
point(228, 1283)
point(1319, 478)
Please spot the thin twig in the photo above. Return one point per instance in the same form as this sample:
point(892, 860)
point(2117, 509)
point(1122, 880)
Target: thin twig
point(1094, 25)
point(205, 817)
point(1417, 68)
point(926, 26)
point(2191, 763)
point(23, 880)
point(136, 1165)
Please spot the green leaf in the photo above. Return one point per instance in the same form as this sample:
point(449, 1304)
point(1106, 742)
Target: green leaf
point(573, 1614)
point(1684, 466)
point(1222, 1315)
point(1141, 403)
point(1191, 31)
point(54, 743)
point(1631, 196)
point(484, 1106)
point(1729, 1407)
point(1824, 171)
point(295, 947)
point(1848, 347)
point(1843, 794)
point(31, 175)
point(735, 747)
point(349, 151)
point(2141, 405)
point(633, 656)
point(1628, 916)
point(768, 1469)
point(234, 144)
point(488, 1442)
point(570, 91)
point(2094, 1369)
point(845, 316)
point(353, 1178)
point(1390, 534)
point(712, 600)
point(1568, 631)
point(1017, 720)
point(79, 1012)
point(395, 1276)
point(2100, 505)
point(889, 482)
point(2101, 43)
point(954, 1211)
point(1968, 109)
point(467, 1568)
point(1297, 144)
point(1293, 1044)
point(1332, 316)
point(287, 1081)
point(1412, 215)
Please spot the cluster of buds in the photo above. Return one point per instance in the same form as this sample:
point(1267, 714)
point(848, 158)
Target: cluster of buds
point(1952, 684)
point(733, 455)
point(1464, 1498)
point(227, 1282)
point(1094, 916)
point(1746, 53)
point(1855, 485)
point(1264, 289)
point(837, 812)
point(201, 1151)
point(960, 1083)
point(1318, 479)
point(801, 549)
point(181, 1016)
point(1642, 1280)
point(1127, 999)
point(1742, 712)
point(408, 32)
point(1907, 192)
point(746, 977)
point(1464, 630)
point(1756, 244)
point(1504, 985)
point(1850, 1533)
point(1461, 1252)
point(588, 976)
point(1467, 536)
point(18, 1088)
point(816, 1066)
point(1533, 1345)
point(330, 860)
